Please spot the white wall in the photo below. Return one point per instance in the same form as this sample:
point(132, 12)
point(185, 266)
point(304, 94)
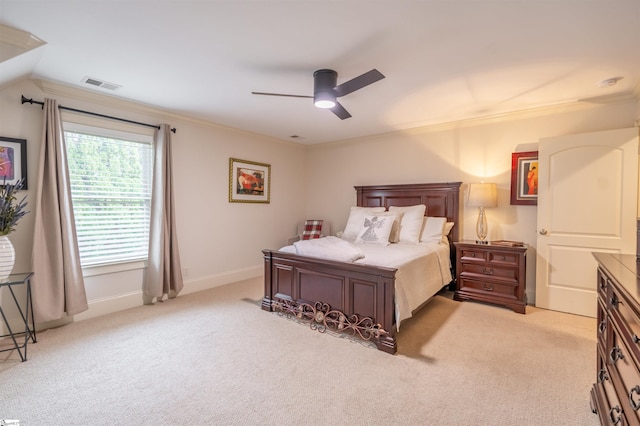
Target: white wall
point(468, 152)
point(220, 242)
point(637, 124)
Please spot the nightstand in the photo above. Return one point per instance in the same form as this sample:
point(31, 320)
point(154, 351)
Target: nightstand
point(491, 273)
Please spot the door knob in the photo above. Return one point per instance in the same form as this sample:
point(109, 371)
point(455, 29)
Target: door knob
point(543, 231)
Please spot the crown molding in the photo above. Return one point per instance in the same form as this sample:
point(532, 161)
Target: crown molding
point(55, 88)
point(104, 99)
point(523, 114)
point(110, 101)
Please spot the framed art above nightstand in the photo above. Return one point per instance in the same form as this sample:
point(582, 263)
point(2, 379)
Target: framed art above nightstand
point(492, 273)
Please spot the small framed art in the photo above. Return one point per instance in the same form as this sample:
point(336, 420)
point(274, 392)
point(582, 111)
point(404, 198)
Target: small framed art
point(13, 161)
point(524, 178)
point(249, 181)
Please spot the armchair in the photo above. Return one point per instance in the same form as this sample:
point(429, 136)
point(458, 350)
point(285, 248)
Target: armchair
point(324, 230)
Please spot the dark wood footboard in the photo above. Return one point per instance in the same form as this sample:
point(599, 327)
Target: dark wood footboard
point(340, 297)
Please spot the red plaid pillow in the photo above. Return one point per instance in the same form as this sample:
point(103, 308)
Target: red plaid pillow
point(312, 229)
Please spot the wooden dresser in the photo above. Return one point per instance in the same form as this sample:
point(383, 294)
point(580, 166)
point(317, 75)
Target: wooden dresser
point(491, 273)
point(615, 396)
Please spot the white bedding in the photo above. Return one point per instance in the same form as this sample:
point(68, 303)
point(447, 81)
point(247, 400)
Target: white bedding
point(423, 269)
point(332, 248)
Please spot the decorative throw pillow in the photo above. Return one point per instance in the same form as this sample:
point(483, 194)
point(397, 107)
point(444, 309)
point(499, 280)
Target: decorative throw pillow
point(312, 229)
point(375, 230)
point(411, 222)
point(356, 218)
point(433, 229)
point(445, 231)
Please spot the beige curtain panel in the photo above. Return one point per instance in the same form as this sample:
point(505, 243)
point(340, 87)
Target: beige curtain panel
point(57, 283)
point(164, 272)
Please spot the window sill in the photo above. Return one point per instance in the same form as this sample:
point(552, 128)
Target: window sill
point(91, 271)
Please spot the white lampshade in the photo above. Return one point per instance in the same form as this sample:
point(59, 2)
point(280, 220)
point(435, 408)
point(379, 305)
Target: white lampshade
point(482, 195)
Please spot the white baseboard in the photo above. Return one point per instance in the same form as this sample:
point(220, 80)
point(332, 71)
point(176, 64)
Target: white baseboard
point(213, 281)
point(531, 297)
point(109, 305)
point(121, 302)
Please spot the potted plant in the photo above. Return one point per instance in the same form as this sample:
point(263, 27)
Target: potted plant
point(11, 211)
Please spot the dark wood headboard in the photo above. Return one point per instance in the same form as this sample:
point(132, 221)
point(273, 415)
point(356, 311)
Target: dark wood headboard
point(441, 199)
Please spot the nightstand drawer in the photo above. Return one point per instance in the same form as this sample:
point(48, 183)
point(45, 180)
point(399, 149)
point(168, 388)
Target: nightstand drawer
point(502, 258)
point(471, 255)
point(496, 289)
point(488, 271)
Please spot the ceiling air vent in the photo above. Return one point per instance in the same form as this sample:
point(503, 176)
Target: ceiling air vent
point(99, 83)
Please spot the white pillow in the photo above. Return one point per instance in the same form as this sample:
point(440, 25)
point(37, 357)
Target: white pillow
point(375, 230)
point(411, 222)
point(356, 218)
point(394, 236)
point(433, 229)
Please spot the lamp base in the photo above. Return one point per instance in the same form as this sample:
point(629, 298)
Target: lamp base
point(482, 242)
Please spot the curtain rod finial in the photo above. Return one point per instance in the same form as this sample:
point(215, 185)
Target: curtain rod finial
point(24, 100)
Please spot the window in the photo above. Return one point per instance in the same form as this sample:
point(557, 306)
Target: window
point(110, 173)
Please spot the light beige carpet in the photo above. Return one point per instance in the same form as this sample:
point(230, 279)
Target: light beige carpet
point(215, 357)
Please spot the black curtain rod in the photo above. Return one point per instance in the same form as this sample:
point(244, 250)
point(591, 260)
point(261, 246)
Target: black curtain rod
point(31, 101)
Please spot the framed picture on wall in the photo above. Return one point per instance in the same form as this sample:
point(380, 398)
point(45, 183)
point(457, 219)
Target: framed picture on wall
point(524, 178)
point(13, 161)
point(249, 181)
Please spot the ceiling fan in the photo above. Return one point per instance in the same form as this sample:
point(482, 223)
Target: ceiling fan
point(326, 92)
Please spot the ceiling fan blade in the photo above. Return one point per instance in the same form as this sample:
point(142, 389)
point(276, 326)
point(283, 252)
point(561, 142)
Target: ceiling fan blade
point(358, 82)
point(281, 94)
point(339, 110)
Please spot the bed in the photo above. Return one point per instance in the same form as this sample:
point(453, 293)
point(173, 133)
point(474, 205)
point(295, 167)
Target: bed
point(355, 297)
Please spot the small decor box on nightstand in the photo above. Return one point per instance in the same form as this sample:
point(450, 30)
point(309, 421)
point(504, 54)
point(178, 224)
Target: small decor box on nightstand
point(492, 273)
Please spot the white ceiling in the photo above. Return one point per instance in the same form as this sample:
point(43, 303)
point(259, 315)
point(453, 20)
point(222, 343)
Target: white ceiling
point(444, 60)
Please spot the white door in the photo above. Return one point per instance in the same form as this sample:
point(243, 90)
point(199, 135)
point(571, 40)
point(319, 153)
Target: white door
point(587, 201)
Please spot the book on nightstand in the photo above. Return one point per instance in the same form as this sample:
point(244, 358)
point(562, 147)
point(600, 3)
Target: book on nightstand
point(507, 243)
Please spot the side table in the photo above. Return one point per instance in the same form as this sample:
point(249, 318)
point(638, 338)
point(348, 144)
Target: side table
point(29, 332)
point(491, 273)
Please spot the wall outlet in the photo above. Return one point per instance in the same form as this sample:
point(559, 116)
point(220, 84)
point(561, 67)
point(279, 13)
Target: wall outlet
point(185, 272)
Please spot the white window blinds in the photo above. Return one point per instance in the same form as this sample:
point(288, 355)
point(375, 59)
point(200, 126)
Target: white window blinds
point(110, 173)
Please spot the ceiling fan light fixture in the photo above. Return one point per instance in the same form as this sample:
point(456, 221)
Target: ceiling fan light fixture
point(323, 83)
point(324, 100)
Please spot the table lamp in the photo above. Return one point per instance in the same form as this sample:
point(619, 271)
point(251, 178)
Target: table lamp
point(482, 195)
